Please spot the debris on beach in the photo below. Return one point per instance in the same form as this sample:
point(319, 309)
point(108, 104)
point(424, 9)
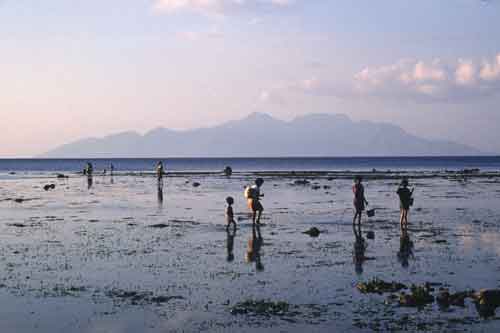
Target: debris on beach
point(196, 184)
point(61, 176)
point(487, 300)
point(49, 187)
point(313, 232)
point(377, 286)
point(445, 299)
point(370, 234)
point(419, 297)
point(158, 225)
point(261, 308)
point(301, 182)
point(139, 297)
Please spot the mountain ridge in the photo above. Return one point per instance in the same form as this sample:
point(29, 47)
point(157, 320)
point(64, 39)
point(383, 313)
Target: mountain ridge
point(261, 135)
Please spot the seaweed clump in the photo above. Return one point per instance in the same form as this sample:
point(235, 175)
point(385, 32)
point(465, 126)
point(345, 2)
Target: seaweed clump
point(262, 308)
point(420, 296)
point(377, 286)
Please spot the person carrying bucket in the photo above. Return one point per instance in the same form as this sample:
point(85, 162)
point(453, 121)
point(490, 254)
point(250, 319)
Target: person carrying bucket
point(359, 199)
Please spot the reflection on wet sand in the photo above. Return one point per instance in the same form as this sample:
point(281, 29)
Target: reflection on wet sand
point(359, 249)
point(231, 233)
point(405, 249)
point(160, 192)
point(254, 246)
point(89, 181)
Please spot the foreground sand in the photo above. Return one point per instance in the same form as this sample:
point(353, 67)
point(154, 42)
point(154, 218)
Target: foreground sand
point(113, 258)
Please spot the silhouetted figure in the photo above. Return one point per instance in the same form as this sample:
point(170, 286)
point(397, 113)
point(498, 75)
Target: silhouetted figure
point(111, 169)
point(405, 200)
point(89, 169)
point(89, 181)
point(253, 249)
point(405, 249)
point(230, 243)
point(359, 249)
point(230, 214)
point(359, 199)
point(228, 171)
point(253, 195)
point(160, 170)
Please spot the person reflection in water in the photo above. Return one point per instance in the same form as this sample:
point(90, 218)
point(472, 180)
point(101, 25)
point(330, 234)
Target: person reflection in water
point(160, 194)
point(405, 249)
point(359, 249)
point(231, 232)
point(254, 246)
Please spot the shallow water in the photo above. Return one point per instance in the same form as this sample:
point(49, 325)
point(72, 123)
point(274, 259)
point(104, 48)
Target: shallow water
point(80, 259)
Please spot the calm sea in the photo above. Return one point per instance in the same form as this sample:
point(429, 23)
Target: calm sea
point(485, 163)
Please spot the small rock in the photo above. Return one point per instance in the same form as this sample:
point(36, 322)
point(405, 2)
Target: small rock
point(196, 184)
point(159, 225)
point(487, 300)
point(302, 182)
point(313, 232)
point(60, 176)
point(370, 235)
point(49, 187)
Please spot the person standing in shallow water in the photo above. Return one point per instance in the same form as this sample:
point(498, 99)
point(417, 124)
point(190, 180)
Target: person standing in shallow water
point(405, 201)
point(160, 170)
point(253, 195)
point(359, 199)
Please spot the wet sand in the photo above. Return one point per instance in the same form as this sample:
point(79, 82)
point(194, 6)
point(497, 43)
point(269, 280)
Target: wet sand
point(116, 257)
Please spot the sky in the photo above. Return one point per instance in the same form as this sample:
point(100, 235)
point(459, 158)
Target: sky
point(75, 69)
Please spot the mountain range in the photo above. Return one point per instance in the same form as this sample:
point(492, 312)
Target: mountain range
point(260, 135)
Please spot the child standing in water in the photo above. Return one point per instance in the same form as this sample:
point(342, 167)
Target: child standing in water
point(253, 196)
point(230, 214)
point(405, 200)
point(160, 171)
point(359, 199)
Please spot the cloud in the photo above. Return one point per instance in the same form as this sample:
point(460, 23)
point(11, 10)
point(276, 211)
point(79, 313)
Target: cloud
point(431, 81)
point(214, 32)
point(215, 6)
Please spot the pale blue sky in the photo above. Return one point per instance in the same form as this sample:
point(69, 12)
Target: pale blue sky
point(72, 69)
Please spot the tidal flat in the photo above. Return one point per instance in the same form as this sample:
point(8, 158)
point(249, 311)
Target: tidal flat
point(121, 256)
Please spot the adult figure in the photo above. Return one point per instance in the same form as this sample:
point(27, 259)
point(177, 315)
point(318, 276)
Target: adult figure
point(405, 201)
point(359, 200)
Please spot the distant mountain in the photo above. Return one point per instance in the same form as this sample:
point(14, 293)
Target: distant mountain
point(261, 135)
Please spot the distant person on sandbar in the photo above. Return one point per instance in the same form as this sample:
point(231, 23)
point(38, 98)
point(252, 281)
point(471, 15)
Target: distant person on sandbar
point(111, 169)
point(89, 169)
point(230, 214)
point(359, 199)
point(253, 195)
point(405, 200)
point(160, 170)
point(228, 171)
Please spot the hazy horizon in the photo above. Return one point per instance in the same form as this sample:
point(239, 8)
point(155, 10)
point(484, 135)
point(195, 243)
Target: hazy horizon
point(91, 69)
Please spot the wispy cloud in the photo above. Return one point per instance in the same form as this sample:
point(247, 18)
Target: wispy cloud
point(215, 6)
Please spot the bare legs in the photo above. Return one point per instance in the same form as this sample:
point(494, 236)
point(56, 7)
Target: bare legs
point(256, 217)
point(357, 215)
point(403, 220)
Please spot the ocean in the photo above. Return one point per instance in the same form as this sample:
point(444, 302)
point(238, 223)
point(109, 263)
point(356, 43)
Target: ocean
point(485, 163)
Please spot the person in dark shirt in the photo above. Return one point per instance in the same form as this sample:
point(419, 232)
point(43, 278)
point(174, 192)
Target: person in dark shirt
point(405, 200)
point(359, 199)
